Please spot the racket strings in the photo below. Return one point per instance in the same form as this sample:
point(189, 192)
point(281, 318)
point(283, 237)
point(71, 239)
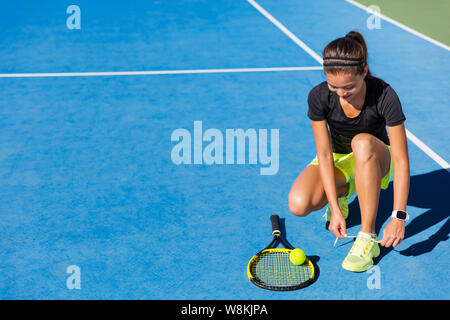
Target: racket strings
point(276, 269)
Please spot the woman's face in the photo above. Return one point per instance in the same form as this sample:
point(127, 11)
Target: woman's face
point(346, 85)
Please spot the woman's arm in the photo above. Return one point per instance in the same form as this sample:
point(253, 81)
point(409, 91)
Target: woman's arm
point(326, 168)
point(399, 149)
point(326, 163)
point(394, 232)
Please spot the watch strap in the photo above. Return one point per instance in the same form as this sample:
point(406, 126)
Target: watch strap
point(400, 215)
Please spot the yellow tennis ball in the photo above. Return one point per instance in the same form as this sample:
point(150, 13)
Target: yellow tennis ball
point(297, 256)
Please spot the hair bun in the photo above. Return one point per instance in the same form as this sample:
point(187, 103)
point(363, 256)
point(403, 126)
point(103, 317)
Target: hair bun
point(352, 36)
point(343, 49)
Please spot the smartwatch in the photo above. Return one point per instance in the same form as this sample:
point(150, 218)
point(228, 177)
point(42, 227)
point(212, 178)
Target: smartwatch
point(400, 215)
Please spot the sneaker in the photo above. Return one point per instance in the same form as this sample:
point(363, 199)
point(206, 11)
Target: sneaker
point(360, 257)
point(343, 204)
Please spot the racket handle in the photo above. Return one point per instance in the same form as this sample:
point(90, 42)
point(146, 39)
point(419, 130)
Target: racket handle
point(275, 225)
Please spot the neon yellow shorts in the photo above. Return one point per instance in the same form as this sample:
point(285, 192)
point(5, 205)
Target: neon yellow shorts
point(346, 163)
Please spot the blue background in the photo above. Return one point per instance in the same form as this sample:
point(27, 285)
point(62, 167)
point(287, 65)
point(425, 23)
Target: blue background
point(86, 176)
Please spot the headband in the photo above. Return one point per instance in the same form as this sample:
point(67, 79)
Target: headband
point(358, 62)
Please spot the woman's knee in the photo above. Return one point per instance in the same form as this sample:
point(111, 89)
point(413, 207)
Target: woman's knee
point(363, 147)
point(299, 205)
point(306, 194)
point(367, 147)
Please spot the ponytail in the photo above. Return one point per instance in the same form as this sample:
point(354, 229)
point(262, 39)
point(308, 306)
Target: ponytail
point(346, 55)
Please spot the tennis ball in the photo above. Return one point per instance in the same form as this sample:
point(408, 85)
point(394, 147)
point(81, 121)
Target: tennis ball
point(297, 256)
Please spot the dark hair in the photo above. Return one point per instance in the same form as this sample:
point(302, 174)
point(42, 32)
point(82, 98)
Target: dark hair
point(346, 55)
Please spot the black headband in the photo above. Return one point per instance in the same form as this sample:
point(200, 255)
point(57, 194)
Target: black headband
point(358, 62)
point(343, 58)
point(342, 64)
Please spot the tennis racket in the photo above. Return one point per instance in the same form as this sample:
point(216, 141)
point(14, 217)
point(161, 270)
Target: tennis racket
point(272, 269)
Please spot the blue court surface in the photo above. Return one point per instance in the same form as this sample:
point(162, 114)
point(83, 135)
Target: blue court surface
point(89, 179)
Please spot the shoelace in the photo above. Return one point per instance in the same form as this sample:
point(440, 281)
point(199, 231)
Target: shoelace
point(372, 240)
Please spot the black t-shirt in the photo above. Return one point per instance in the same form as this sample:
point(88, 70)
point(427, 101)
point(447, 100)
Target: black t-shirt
point(381, 107)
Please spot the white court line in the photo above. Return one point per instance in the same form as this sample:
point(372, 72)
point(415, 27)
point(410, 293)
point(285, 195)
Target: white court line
point(300, 43)
point(413, 138)
point(398, 24)
point(433, 155)
point(156, 72)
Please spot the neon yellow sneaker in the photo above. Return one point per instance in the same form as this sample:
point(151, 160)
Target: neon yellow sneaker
point(343, 204)
point(364, 249)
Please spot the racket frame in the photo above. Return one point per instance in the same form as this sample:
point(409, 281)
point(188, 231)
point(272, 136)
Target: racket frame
point(269, 249)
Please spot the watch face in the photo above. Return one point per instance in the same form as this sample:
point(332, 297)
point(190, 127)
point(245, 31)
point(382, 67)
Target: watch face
point(401, 215)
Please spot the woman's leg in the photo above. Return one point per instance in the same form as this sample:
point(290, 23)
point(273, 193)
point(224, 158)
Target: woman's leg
point(372, 162)
point(307, 193)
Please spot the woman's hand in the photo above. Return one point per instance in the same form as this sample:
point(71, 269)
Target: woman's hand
point(337, 224)
point(394, 233)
